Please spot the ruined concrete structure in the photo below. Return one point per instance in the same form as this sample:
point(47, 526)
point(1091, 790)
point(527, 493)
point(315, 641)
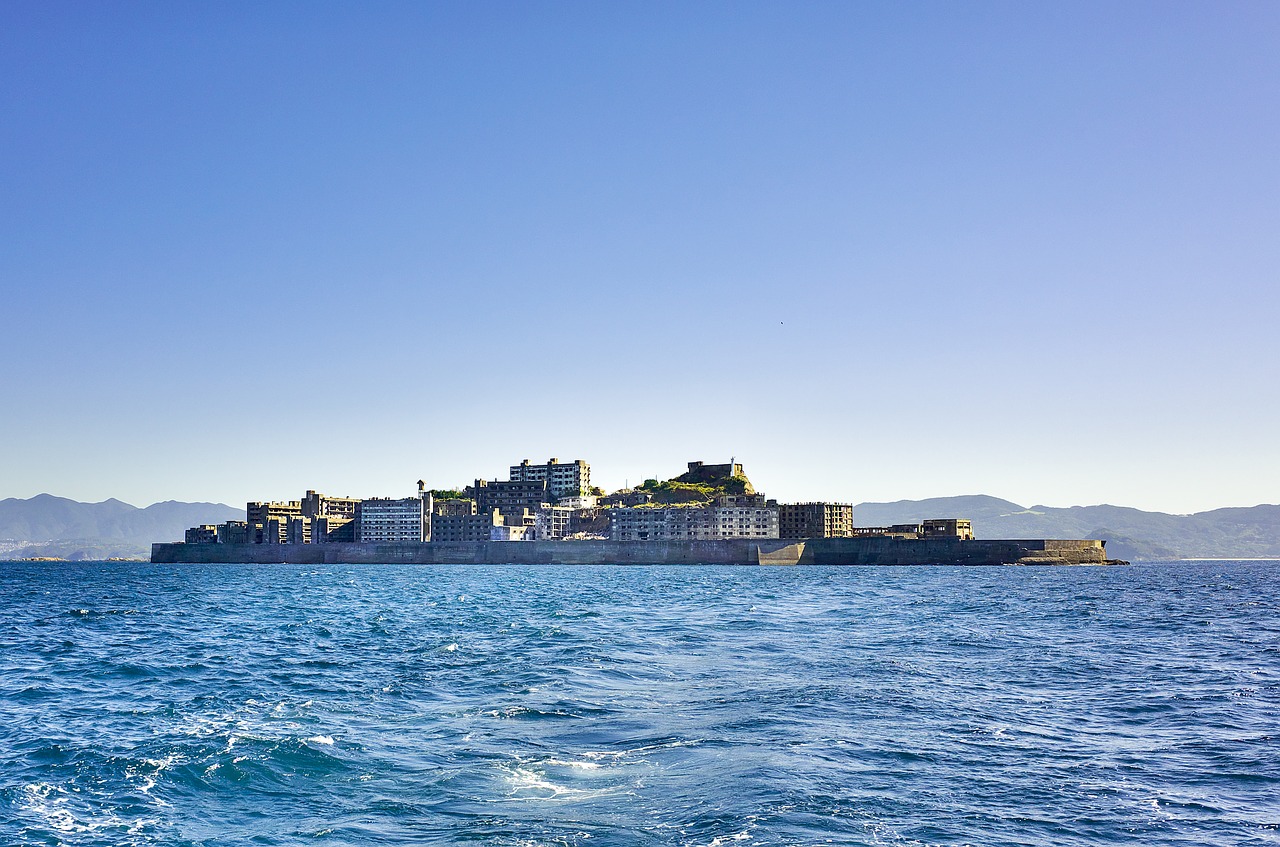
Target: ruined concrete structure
point(386, 519)
point(732, 516)
point(542, 505)
point(571, 479)
point(815, 520)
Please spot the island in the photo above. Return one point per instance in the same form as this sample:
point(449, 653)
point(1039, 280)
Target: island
point(550, 514)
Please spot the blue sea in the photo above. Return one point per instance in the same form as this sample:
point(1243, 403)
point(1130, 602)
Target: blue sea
point(591, 706)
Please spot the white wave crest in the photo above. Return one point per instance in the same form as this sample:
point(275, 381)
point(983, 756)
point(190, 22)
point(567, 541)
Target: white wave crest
point(57, 809)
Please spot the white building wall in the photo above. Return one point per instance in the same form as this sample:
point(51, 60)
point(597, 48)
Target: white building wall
point(391, 520)
point(693, 524)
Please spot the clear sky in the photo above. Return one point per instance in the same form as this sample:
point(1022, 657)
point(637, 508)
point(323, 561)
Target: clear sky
point(874, 251)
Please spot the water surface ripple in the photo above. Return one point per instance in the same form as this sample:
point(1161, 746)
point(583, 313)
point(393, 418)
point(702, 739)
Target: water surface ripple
point(386, 705)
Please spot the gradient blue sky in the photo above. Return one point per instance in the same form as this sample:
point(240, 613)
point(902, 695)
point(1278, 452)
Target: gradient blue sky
point(874, 251)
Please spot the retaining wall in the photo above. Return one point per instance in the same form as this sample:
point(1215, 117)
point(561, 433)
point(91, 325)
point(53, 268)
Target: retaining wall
point(814, 551)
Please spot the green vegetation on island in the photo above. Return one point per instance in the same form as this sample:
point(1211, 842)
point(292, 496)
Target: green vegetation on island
point(686, 492)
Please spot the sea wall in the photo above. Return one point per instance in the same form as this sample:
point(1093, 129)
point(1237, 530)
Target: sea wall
point(815, 551)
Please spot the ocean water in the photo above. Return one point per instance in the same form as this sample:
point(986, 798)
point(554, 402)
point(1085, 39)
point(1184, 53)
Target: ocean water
point(385, 705)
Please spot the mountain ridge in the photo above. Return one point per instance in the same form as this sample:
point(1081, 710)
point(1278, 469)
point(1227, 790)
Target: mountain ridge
point(58, 527)
point(1244, 532)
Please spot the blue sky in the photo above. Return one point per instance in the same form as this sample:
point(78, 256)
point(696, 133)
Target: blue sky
point(873, 251)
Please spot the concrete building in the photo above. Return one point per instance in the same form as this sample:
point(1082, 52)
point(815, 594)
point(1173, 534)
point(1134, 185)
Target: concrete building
point(468, 527)
point(298, 531)
point(269, 521)
point(512, 498)
point(900, 530)
point(572, 479)
point(701, 472)
point(947, 528)
point(203, 534)
point(387, 519)
point(589, 523)
point(332, 530)
point(260, 513)
point(815, 520)
point(742, 516)
point(627, 497)
point(320, 506)
point(274, 531)
point(315, 518)
point(449, 508)
point(551, 523)
point(234, 532)
point(932, 528)
point(589, 501)
point(502, 532)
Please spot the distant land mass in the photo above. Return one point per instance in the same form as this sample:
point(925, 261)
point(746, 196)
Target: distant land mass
point(55, 527)
point(1132, 534)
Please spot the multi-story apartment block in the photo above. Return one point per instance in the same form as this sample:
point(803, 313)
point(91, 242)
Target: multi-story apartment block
point(260, 513)
point(742, 516)
point(464, 527)
point(550, 523)
point(386, 519)
point(572, 479)
point(320, 506)
point(513, 498)
point(268, 522)
point(815, 520)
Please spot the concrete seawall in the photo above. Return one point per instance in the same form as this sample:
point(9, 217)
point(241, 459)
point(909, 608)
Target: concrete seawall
point(773, 551)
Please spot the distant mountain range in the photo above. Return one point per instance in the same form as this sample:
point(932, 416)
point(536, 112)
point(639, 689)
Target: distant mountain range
point(1242, 533)
point(60, 528)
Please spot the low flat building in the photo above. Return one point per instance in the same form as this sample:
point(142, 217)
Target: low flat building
point(932, 528)
point(947, 528)
point(709, 473)
point(503, 532)
point(626, 497)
